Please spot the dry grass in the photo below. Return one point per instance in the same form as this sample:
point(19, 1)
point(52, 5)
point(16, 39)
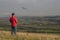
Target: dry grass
point(5, 35)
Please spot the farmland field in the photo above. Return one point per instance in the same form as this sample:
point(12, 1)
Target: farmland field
point(33, 24)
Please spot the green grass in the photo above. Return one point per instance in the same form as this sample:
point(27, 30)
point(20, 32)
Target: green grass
point(30, 26)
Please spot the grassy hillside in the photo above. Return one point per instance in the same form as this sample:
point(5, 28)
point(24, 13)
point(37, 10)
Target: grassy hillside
point(5, 35)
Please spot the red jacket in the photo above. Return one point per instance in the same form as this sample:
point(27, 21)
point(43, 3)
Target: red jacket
point(13, 21)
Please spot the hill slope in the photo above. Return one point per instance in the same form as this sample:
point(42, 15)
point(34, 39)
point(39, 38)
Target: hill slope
point(5, 35)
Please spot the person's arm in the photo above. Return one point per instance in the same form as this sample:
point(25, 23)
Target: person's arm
point(16, 20)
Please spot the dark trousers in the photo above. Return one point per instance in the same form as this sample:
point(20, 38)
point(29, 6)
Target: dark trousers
point(13, 30)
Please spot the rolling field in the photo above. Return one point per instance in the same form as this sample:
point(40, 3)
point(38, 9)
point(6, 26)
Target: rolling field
point(30, 30)
point(26, 26)
point(5, 35)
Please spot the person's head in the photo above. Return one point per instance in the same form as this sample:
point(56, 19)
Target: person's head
point(13, 14)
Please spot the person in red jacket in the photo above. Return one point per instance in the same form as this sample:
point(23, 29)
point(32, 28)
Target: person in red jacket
point(13, 21)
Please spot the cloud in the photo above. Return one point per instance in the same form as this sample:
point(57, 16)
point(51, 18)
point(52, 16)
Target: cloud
point(34, 7)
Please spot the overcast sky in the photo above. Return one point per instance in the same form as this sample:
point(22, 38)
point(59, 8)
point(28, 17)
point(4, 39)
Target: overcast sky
point(30, 7)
